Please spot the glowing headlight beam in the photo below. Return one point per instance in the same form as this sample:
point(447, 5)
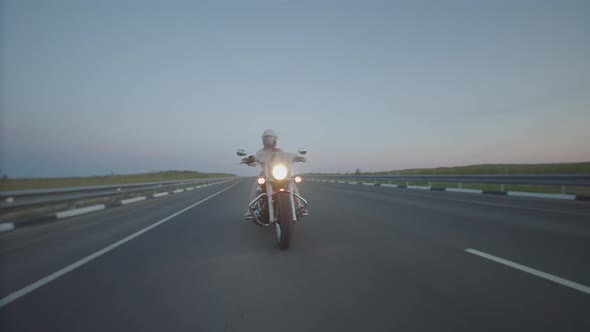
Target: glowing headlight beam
point(279, 172)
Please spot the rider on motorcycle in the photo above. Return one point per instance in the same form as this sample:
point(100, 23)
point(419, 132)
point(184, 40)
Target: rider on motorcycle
point(269, 142)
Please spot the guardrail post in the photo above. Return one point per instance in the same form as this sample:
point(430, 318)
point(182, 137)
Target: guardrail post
point(502, 187)
point(563, 190)
point(430, 184)
point(460, 185)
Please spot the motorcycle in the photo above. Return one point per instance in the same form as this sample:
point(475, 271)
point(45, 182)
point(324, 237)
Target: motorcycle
point(277, 202)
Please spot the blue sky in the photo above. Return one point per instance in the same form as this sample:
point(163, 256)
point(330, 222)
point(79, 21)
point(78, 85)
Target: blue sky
point(94, 87)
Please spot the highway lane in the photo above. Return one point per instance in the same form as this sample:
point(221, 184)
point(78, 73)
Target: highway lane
point(551, 234)
point(366, 258)
point(30, 253)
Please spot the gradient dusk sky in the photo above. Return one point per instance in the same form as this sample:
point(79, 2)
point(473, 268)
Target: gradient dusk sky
point(94, 87)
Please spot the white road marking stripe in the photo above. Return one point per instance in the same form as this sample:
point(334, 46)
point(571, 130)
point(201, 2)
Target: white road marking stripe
point(190, 188)
point(160, 194)
point(461, 190)
point(541, 274)
point(76, 212)
point(26, 290)
point(419, 187)
point(132, 200)
point(6, 226)
point(541, 195)
point(178, 191)
point(389, 185)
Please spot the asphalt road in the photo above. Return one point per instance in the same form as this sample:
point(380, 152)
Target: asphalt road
point(367, 258)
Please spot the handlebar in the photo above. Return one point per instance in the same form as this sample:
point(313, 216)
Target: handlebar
point(249, 160)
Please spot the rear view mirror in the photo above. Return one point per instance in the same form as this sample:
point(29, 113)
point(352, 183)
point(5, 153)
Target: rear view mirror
point(241, 152)
point(302, 150)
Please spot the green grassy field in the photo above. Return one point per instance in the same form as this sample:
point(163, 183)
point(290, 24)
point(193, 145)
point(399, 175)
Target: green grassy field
point(46, 183)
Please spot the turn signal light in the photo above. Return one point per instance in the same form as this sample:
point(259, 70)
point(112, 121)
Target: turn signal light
point(261, 181)
point(297, 179)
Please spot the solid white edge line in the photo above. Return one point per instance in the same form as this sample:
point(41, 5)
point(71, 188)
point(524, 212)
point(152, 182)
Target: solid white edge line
point(24, 291)
point(132, 200)
point(76, 212)
point(541, 274)
point(6, 226)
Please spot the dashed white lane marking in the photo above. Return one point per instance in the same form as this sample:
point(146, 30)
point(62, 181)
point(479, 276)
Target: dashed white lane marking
point(30, 288)
point(541, 274)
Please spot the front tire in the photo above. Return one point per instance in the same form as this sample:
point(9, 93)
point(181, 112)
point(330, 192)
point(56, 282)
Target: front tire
point(284, 224)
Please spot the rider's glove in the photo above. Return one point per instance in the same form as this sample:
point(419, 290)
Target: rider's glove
point(300, 159)
point(249, 159)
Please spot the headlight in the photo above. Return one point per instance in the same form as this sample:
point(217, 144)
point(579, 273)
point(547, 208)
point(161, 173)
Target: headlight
point(279, 172)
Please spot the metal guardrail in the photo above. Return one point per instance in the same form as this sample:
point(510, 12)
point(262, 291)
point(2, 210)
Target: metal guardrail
point(55, 195)
point(531, 179)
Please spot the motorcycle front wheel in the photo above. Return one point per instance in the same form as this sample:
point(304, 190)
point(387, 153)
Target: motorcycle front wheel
point(284, 224)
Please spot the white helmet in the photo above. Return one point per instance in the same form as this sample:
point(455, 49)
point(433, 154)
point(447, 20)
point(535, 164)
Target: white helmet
point(270, 132)
point(269, 138)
